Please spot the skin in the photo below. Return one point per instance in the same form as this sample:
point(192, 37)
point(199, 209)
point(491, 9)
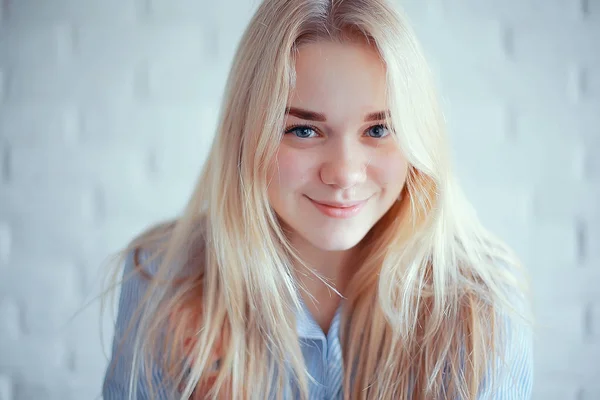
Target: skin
point(346, 155)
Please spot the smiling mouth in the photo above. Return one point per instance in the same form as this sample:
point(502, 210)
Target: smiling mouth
point(339, 210)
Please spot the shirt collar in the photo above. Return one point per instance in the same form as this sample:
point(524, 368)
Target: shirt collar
point(308, 328)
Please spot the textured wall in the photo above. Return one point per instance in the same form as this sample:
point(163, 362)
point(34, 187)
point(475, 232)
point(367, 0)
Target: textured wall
point(108, 106)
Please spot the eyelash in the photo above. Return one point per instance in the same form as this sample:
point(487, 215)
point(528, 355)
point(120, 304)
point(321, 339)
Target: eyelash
point(292, 128)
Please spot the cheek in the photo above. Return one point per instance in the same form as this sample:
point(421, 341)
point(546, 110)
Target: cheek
point(290, 170)
point(390, 171)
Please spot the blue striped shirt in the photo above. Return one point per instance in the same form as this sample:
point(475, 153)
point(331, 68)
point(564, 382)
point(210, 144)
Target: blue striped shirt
point(322, 354)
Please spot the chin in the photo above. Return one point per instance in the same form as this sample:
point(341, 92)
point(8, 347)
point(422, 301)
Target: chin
point(336, 242)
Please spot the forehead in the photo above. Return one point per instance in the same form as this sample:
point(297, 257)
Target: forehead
point(339, 79)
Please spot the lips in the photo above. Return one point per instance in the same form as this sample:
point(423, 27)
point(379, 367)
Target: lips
point(339, 205)
point(339, 210)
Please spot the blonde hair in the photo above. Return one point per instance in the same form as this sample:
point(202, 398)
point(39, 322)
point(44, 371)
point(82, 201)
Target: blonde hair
point(423, 312)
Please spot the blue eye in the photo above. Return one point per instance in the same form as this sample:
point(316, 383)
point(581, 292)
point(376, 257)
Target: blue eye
point(302, 132)
point(378, 131)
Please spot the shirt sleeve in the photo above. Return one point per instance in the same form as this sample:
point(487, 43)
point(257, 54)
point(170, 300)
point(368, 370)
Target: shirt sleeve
point(118, 373)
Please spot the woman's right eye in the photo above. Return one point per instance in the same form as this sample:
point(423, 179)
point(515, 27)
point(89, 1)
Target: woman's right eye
point(302, 132)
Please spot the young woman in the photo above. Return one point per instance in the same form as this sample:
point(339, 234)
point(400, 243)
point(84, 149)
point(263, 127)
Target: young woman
point(327, 251)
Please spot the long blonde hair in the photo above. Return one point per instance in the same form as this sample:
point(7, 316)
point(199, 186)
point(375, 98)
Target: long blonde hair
point(422, 316)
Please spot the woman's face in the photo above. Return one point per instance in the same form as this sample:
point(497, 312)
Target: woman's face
point(338, 168)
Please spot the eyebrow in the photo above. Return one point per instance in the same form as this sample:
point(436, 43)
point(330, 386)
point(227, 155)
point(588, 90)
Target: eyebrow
point(315, 116)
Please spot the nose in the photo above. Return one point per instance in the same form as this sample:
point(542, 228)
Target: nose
point(345, 166)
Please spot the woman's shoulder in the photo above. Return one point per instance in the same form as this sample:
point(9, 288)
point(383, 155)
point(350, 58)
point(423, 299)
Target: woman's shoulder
point(149, 277)
point(502, 286)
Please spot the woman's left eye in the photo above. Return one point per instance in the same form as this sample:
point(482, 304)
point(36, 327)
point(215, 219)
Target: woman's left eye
point(378, 131)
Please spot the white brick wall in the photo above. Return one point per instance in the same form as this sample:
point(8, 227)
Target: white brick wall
point(108, 106)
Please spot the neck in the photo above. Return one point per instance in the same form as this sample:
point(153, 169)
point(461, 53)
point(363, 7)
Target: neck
point(335, 267)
